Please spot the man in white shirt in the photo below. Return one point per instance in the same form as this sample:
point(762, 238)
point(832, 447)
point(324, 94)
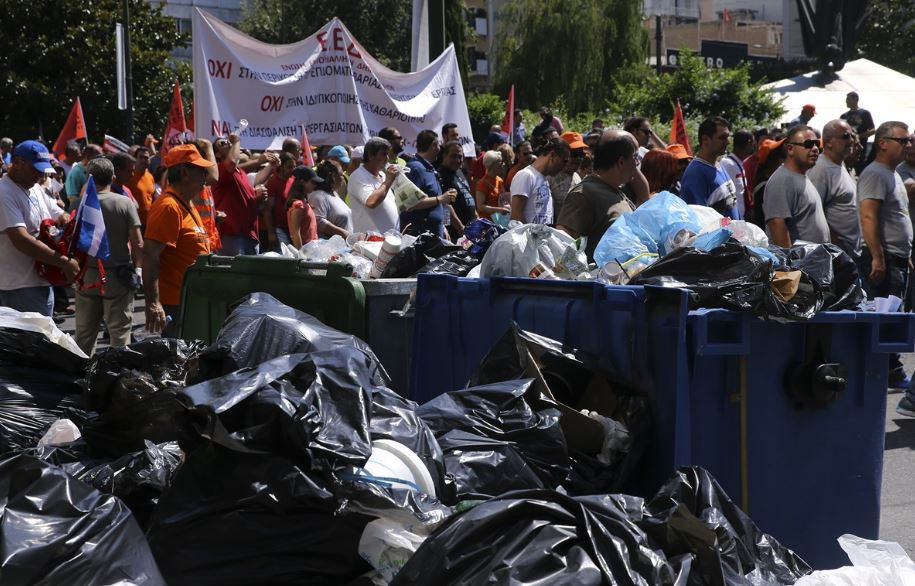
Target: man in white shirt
point(732, 164)
point(23, 205)
point(532, 201)
point(369, 189)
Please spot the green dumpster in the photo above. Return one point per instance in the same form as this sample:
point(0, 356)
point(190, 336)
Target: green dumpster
point(370, 309)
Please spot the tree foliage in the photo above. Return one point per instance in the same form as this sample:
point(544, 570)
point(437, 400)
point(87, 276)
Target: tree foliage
point(52, 52)
point(889, 34)
point(570, 48)
point(702, 92)
point(484, 110)
point(381, 26)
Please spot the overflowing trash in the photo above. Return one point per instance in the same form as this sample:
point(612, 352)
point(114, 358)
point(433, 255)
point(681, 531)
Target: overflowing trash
point(278, 455)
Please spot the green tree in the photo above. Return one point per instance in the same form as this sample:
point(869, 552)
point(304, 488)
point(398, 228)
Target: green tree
point(52, 52)
point(889, 34)
point(702, 92)
point(381, 26)
point(570, 48)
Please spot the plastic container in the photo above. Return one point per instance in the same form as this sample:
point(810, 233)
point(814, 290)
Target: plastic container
point(394, 464)
point(720, 385)
point(370, 309)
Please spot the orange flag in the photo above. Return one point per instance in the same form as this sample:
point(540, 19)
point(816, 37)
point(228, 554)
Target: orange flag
point(508, 122)
point(678, 129)
point(176, 132)
point(74, 129)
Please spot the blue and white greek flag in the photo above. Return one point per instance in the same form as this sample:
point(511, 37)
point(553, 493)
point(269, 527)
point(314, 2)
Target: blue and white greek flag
point(91, 235)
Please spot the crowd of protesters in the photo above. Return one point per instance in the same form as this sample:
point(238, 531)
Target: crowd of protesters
point(805, 182)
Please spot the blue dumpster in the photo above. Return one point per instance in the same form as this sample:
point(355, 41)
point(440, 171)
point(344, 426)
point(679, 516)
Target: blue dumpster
point(638, 333)
point(805, 474)
point(788, 417)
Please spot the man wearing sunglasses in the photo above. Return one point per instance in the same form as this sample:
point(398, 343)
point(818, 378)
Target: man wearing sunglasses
point(884, 210)
point(837, 188)
point(791, 205)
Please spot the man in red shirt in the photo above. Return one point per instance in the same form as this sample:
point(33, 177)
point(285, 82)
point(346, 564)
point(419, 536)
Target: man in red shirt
point(234, 196)
point(274, 215)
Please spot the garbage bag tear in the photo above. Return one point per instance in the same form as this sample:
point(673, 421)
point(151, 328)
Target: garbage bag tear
point(59, 530)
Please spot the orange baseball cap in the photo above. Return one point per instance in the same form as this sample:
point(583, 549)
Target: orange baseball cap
point(810, 107)
point(678, 150)
point(186, 153)
point(574, 140)
point(766, 147)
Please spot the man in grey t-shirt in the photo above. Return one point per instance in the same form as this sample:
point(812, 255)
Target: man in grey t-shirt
point(791, 205)
point(887, 230)
point(836, 187)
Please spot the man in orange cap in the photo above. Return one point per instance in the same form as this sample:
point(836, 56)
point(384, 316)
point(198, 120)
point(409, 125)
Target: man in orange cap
point(175, 237)
point(562, 182)
point(807, 112)
point(683, 158)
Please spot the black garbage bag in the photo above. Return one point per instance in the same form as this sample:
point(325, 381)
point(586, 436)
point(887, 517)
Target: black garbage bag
point(512, 412)
point(457, 263)
point(411, 259)
point(59, 530)
point(832, 269)
point(234, 518)
point(261, 328)
point(689, 533)
point(132, 391)
point(137, 479)
point(38, 386)
point(692, 514)
point(257, 503)
point(31, 399)
point(576, 380)
point(540, 537)
point(732, 277)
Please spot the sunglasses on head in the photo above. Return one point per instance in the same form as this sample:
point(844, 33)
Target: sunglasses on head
point(807, 144)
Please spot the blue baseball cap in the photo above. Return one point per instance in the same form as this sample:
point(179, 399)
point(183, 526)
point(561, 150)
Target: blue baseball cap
point(339, 152)
point(35, 153)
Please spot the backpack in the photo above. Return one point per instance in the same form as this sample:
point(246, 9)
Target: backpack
point(62, 241)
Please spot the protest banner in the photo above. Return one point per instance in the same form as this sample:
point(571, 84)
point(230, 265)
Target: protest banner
point(327, 83)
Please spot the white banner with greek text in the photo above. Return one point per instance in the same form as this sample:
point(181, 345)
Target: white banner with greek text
point(326, 84)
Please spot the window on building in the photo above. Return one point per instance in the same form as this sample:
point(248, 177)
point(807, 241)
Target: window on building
point(184, 25)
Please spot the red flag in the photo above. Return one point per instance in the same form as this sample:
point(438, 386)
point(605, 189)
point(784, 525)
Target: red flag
point(176, 132)
point(678, 129)
point(306, 149)
point(508, 122)
point(74, 129)
point(726, 15)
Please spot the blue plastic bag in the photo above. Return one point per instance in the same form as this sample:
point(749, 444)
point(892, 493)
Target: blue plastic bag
point(658, 226)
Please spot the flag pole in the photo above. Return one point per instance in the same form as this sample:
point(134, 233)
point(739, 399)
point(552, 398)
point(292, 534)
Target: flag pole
point(128, 68)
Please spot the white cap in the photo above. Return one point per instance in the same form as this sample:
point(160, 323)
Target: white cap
point(357, 152)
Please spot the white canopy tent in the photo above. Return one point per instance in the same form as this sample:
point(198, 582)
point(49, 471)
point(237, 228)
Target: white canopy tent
point(888, 94)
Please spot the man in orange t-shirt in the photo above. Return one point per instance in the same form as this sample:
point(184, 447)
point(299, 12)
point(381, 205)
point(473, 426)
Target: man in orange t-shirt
point(175, 237)
point(142, 185)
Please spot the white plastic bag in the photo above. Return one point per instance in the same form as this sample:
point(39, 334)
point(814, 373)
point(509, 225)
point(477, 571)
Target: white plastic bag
point(321, 250)
point(62, 431)
point(35, 322)
point(387, 545)
point(533, 250)
point(875, 563)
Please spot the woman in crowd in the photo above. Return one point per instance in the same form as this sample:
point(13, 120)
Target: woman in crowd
point(331, 212)
point(489, 187)
point(660, 168)
point(303, 226)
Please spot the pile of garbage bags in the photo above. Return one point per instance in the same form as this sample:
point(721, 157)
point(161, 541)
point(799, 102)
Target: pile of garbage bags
point(394, 255)
point(279, 455)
